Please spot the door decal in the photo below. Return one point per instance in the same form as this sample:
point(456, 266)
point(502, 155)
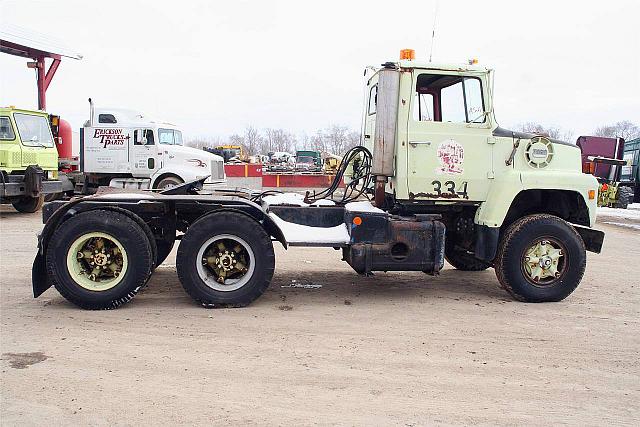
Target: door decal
point(451, 157)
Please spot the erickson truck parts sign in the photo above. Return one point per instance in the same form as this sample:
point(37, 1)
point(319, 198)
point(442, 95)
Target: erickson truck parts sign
point(115, 137)
point(106, 150)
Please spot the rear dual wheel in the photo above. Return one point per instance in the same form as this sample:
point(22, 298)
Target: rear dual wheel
point(99, 259)
point(225, 259)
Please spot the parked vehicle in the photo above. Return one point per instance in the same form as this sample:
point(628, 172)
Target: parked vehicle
point(28, 158)
point(228, 152)
point(446, 182)
point(602, 157)
point(126, 149)
point(630, 173)
point(308, 160)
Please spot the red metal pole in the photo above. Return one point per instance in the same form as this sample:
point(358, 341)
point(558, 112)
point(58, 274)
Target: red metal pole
point(44, 79)
point(42, 86)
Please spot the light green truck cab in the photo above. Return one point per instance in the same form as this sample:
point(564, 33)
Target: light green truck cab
point(28, 158)
point(438, 149)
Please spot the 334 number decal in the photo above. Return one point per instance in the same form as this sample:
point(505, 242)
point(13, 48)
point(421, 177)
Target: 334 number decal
point(447, 190)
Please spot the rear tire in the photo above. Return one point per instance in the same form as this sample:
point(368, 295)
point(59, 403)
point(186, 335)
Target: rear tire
point(625, 196)
point(76, 259)
point(28, 204)
point(52, 196)
point(541, 258)
point(230, 241)
point(462, 260)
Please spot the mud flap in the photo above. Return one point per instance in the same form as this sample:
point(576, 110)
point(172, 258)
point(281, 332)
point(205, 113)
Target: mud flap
point(39, 278)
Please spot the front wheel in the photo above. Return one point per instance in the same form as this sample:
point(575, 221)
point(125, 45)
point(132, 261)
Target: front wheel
point(225, 259)
point(541, 258)
point(28, 204)
point(168, 182)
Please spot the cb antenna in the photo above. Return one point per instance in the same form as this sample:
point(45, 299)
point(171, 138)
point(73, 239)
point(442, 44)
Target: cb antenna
point(433, 28)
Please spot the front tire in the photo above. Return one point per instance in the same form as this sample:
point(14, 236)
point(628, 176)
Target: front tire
point(168, 182)
point(541, 258)
point(28, 204)
point(99, 259)
point(225, 259)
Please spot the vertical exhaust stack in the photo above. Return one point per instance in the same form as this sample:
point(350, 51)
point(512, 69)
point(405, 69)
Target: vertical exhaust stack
point(384, 143)
point(91, 113)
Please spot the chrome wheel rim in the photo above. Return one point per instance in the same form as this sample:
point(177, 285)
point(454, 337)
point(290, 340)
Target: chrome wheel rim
point(97, 261)
point(225, 262)
point(544, 262)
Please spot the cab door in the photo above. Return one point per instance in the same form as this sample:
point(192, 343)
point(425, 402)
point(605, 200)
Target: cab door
point(143, 153)
point(448, 152)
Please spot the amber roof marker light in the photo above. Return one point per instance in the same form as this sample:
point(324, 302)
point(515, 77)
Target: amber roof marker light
point(408, 54)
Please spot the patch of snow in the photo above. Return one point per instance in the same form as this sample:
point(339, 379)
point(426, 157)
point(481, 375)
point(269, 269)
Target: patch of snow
point(633, 213)
point(624, 224)
point(125, 196)
point(294, 199)
point(297, 233)
point(323, 202)
point(363, 206)
point(634, 206)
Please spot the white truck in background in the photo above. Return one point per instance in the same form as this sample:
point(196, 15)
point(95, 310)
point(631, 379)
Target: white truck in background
point(126, 149)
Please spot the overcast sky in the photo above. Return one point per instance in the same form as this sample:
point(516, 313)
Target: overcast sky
point(214, 67)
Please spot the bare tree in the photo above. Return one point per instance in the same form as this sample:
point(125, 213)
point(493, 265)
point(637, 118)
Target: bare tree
point(335, 139)
point(624, 129)
point(252, 140)
point(353, 139)
point(278, 140)
point(318, 141)
point(551, 132)
point(201, 143)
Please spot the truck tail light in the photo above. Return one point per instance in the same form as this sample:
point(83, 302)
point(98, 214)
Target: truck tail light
point(592, 194)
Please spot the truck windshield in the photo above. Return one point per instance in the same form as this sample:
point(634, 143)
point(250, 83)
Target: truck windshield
point(170, 136)
point(34, 131)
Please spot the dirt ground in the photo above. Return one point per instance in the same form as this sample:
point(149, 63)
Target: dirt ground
point(397, 349)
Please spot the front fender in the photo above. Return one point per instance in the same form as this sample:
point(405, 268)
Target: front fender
point(493, 211)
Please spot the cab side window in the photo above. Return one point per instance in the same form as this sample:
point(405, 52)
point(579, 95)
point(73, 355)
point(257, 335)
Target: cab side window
point(107, 118)
point(6, 130)
point(448, 98)
point(373, 100)
point(140, 134)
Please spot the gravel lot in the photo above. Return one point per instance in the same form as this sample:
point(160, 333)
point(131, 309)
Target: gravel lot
point(399, 349)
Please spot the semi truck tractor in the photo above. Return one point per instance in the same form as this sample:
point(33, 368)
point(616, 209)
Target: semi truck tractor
point(28, 158)
point(126, 149)
point(435, 178)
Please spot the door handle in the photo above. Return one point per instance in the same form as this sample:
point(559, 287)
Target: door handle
point(416, 143)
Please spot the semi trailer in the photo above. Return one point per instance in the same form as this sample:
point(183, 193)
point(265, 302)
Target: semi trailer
point(434, 178)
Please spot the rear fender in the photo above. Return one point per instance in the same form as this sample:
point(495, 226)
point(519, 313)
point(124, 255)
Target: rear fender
point(255, 213)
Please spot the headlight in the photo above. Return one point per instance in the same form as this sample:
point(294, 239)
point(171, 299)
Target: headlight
point(217, 170)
